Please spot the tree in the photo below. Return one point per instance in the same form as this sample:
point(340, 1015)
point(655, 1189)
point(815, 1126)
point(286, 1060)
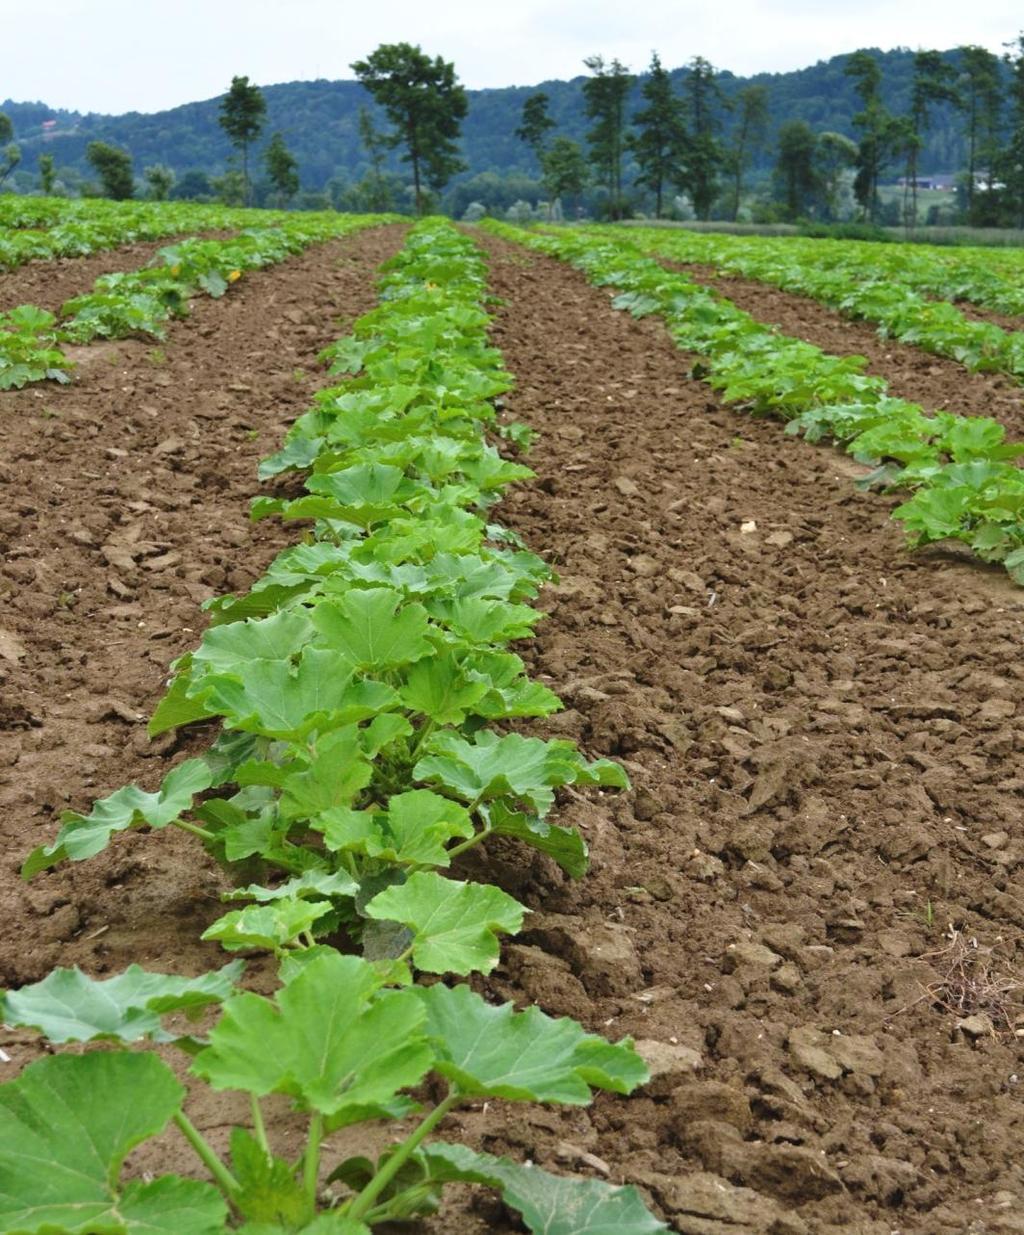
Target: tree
point(423, 99)
point(659, 142)
point(281, 168)
point(796, 173)
point(1011, 161)
point(604, 97)
point(880, 134)
point(114, 168)
point(377, 189)
point(933, 83)
point(565, 170)
point(748, 137)
point(243, 111)
point(230, 189)
point(160, 180)
point(981, 101)
point(535, 123)
point(835, 154)
point(192, 185)
point(703, 158)
point(47, 175)
point(11, 154)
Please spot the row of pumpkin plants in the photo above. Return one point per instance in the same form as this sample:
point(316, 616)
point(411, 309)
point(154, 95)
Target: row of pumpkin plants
point(364, 693)
point(43, 228)
point(142, 301)
point(892, 288)
point(959, 470)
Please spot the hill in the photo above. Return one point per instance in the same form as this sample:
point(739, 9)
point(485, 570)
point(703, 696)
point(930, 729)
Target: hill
point(319, 121)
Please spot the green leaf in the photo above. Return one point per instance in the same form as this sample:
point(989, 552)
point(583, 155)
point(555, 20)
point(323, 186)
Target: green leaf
point(66, 1126)
point(83, 836)
point(549, 1204)
point(313, 883)
point(494, 767)
point(369, 630)
point(268, 1188)
point(280, 700)
point(177, 707)
point(272, 926)
point(565, 845)
point(324, 1224)
point(338, 770)
point(273, 638)
point(524, 1056)
point(455, 926)
point(332, 1040)
point(69, 1006)
point(439, 689)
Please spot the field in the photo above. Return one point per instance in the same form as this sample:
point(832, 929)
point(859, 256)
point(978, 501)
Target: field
point(799, 642)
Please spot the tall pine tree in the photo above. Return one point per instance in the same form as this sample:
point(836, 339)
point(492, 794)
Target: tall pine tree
point(605, 96)
point(748, 138)
point(703, 156)
point(981, 100)
point(658, 145)
point(934, 82)
point(243, 111)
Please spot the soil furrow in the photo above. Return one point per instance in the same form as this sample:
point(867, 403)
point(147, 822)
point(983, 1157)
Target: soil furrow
point(935, 382)
point(126, 505)
point(822, 732)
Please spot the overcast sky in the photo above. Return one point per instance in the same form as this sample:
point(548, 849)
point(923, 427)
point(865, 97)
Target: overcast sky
point(145, 55)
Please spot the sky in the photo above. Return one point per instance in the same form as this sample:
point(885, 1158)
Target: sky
point(147, 55)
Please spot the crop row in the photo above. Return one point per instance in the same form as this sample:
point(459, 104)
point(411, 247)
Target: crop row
point(959, 469)
point(76, 229)
point(888, 290)
point(985, 277)
point(141, 301)
point(365, 694)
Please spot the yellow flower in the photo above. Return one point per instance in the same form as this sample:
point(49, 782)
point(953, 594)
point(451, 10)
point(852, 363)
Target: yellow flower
point(175, 270)
point(234, 276)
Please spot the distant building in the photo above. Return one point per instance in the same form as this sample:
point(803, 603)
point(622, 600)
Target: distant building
point(942, 182)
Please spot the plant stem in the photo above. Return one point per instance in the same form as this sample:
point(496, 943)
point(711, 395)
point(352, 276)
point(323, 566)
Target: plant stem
point(468, 844)
point(311, 1158)
point(258, 1125)
point(421, 737)
point(194, 828)
point(362, 1203)
point(225, 1180)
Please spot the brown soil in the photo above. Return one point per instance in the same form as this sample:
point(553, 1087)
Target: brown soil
point(48, 284)
point(821, 732)
point(937, 383)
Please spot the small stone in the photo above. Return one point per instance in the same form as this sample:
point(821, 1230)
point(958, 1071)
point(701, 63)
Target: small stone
point(977, 1026)
point(749, 953)
point(748, 526)
point(669, 1063)
point(627, 487)
point(786, 980)
point(779, 540)
point(805, 1045)
point(995, 840)
point(645, 805)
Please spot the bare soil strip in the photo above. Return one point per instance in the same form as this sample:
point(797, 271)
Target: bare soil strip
point(935, 382)
point(126, 501)
point(823, 734)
